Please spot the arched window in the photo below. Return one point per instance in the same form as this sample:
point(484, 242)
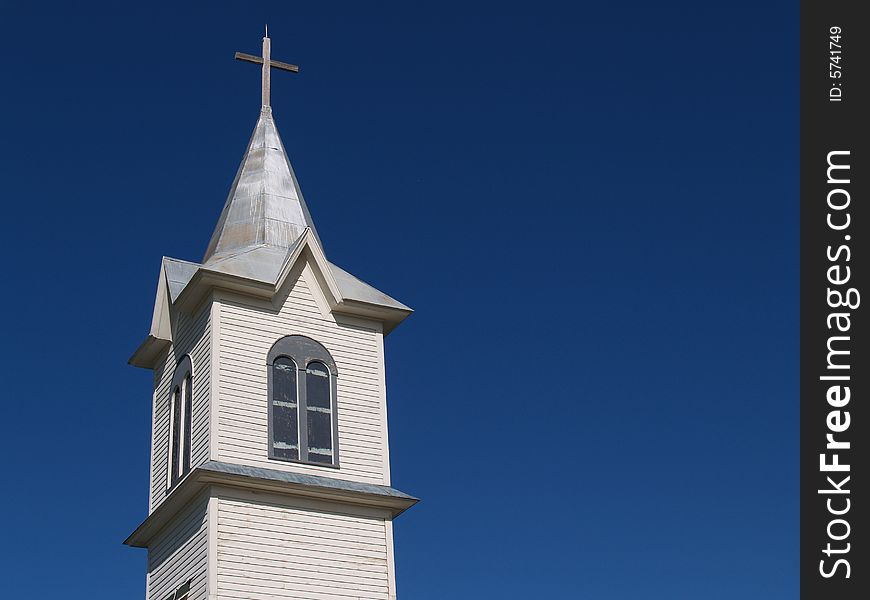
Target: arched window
point(303, 423)
point(318, 408)
point(180, 421)
point(285, 409)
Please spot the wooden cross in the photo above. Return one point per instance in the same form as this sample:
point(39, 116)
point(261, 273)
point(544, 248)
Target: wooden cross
point(268, 65)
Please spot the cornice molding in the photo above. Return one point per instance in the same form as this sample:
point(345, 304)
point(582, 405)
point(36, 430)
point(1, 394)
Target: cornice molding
point(283, 483)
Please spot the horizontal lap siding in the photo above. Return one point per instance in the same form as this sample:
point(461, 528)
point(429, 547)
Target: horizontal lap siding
point(269, 551)
point(247, 332)
point(193, 337)
point(180, 553)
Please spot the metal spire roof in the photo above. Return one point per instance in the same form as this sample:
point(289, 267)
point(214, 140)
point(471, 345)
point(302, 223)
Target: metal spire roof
point(265, 205)
point(263, 221)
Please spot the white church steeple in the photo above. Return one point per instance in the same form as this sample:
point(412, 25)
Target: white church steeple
point(269, 457)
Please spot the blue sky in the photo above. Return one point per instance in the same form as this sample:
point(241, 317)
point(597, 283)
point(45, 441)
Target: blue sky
point(593, 210)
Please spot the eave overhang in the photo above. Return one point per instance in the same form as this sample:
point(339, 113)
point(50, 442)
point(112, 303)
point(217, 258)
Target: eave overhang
point(344, 293)
point(390, 317)
point(205, 280)
point(149, 352)
point(273, 481)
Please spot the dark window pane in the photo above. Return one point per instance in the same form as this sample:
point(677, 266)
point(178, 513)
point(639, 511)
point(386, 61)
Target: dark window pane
point(318, 389)
point(284, 381)
point(319, 435)
point(320, 458)
point(317, 385)
point(188, 421)
point(285, 415)
point(285, 432)
point(176, 431)
point(284, 362)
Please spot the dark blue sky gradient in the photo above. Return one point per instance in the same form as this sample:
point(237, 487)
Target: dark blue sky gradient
point(593, 210)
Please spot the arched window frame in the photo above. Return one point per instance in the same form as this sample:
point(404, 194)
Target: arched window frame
point(303, 351)
point(287, 366)
point(180, 425)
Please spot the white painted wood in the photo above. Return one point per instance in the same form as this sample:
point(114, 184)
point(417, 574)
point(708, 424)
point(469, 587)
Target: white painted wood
point(391, 559)
point(161, 325)
point(317, 294)
point(192, 336)
point(211, 582)
point(152, 472)
point(270, 548)
point(248, 329)
point(214, 386)
point(179, 553)
point(383, 406)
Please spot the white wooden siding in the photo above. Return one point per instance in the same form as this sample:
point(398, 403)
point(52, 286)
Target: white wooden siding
point(192, 336)
point(277, 550)
point(248, 329)
point(179, 553)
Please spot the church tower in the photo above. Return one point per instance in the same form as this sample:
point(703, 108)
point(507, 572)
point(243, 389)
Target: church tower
point(270, 472)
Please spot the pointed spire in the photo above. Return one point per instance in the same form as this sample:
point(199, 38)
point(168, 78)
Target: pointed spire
point(267, 68)
point(265, 206)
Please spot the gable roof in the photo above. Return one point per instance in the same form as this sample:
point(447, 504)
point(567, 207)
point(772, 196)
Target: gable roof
point(353, 288)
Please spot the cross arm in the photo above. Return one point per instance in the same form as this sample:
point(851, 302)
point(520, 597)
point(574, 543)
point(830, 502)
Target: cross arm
point(277, 64)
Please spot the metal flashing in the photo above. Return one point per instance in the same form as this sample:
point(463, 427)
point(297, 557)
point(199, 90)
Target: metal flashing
point(178, 274)
point(391, 500)
point(353, 288)
point(317, 481)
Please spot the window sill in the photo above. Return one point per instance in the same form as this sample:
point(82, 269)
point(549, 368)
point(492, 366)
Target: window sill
point(306, 463)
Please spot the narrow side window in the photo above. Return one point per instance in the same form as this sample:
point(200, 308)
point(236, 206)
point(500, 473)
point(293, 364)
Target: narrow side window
point(319, 412)
point(180, 422)
point(188, 423)
point(175, 434)
point(182, 593)
point(285, 409)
